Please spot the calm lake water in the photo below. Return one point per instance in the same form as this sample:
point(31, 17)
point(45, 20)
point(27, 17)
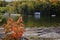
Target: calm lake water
point(41, 20)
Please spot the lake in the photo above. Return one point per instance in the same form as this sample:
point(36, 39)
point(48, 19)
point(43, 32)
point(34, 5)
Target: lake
point(41, 20)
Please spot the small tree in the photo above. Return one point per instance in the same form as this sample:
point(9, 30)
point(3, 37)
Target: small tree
point(14, 29)
point(10, 9)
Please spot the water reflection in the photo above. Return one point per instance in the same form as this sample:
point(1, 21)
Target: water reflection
point(53, 15)
point(37, 15)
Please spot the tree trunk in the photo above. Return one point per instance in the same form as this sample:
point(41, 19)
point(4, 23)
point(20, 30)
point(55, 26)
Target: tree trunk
point(9, 14)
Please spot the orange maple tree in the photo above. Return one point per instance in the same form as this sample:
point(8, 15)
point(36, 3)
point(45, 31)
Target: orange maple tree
point(16, 29)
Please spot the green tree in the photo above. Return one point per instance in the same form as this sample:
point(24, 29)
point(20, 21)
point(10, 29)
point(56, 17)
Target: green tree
point(10, 9)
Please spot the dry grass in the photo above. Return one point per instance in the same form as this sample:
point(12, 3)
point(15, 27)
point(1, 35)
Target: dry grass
point(39, 38)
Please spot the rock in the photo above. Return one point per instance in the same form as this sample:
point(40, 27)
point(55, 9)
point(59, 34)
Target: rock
point(50, 35)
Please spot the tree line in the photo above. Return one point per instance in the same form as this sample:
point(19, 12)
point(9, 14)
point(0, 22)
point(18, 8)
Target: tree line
point(29, 7)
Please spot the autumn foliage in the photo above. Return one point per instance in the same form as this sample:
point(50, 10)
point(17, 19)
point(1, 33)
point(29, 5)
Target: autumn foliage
point(15, 28)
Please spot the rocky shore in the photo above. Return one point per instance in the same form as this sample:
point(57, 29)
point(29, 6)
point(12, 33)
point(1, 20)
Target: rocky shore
point(42, 32)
